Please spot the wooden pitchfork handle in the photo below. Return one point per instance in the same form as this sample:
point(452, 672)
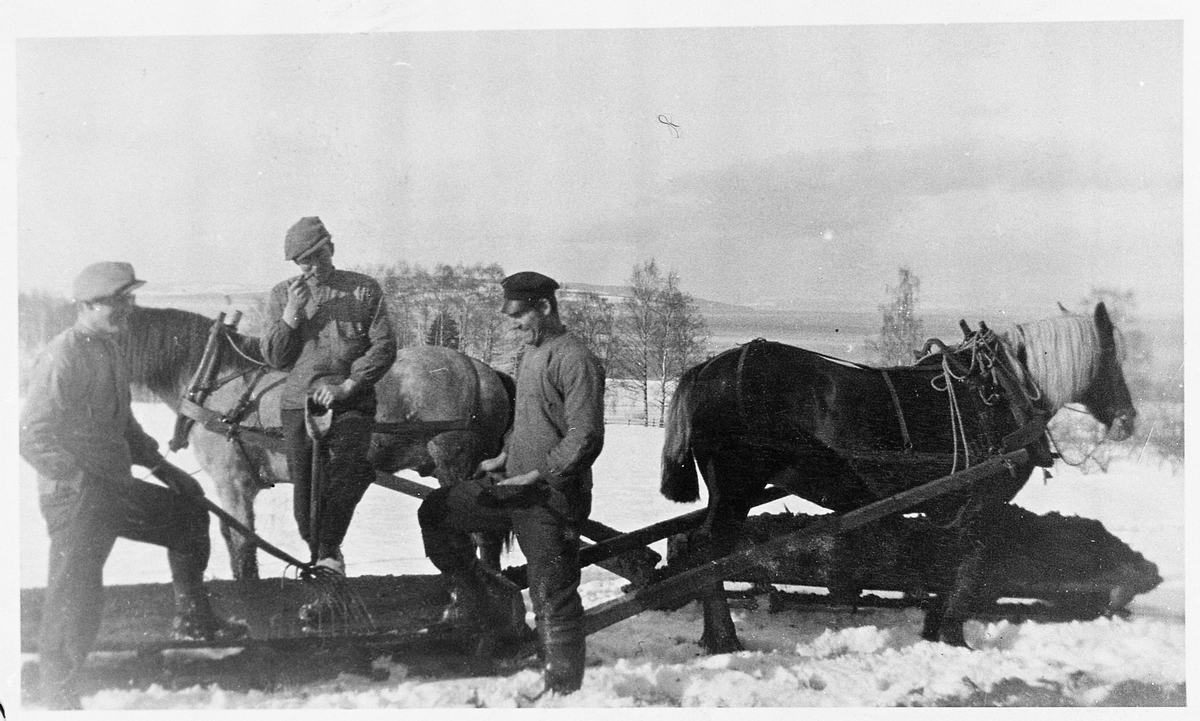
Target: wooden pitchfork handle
point(317, 425)
point(306, 569)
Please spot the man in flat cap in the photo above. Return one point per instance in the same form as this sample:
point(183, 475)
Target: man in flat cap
point(329, 328)
point(540, 487)
point(79, 433)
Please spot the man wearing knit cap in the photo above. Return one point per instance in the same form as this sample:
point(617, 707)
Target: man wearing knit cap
point(329, 328)
point(540, 487)
point(79, 433)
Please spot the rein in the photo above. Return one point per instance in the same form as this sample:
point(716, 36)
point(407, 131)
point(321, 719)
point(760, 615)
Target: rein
point(991, 359)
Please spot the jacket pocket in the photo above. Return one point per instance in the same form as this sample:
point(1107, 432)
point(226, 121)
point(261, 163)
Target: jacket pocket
point(351, 340)
point(60, 502)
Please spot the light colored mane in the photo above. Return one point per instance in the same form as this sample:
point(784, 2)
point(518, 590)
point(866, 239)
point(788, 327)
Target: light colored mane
point(1060, 353)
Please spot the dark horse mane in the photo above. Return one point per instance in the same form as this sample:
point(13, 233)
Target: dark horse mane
point(164, 346)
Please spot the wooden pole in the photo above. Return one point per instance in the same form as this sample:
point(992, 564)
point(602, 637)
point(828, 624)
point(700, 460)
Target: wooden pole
point(686, 585)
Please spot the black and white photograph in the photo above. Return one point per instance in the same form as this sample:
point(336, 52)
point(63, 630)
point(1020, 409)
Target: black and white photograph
point(437, 356)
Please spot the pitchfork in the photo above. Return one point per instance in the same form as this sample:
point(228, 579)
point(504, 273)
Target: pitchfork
point(166, 472)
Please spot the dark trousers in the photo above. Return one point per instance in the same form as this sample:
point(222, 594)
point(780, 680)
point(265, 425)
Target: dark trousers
point(547, 534)
point(348, 472)
point(83, 524)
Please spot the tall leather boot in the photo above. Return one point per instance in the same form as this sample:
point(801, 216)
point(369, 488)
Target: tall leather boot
point(564, 654)
point(195, 620)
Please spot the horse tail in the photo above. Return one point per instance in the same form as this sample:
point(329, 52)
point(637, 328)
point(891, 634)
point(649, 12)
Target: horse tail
point(679, 480)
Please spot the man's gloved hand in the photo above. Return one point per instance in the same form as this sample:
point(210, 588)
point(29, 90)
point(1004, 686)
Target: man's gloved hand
point(177, 479)
point(518, 492)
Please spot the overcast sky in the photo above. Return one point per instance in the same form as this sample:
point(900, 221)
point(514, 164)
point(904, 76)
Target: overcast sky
point(1011, 165)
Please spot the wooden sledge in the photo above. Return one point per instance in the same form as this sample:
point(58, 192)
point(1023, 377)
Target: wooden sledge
point(395, 611)
point(1082, 568)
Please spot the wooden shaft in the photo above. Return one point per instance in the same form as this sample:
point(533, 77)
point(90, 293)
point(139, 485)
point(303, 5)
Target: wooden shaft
point(688, 584)
point(203, 375)
point(663, 529)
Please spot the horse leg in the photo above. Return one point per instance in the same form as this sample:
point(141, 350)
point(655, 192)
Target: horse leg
point(856, 557)
point(945, 617)
point(716, 538)
point(236, 488)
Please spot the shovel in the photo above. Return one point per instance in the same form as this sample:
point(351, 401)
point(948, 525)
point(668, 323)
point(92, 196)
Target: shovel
point(317, 419)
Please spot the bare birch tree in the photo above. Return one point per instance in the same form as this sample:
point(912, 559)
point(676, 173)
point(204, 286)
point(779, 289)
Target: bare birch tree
point(900, 334)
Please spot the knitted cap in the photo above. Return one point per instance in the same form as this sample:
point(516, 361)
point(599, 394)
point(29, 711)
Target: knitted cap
point(305, 236)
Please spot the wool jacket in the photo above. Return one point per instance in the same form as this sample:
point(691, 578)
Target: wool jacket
point(558, 427)
point(346, 333)
point(77, 424)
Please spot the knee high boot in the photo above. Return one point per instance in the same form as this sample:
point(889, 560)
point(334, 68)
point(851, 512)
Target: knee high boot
point(559, 613)
point(564, 654)
point(194, 616)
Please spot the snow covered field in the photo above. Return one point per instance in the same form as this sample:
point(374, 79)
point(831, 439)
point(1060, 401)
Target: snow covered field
point(874, 658)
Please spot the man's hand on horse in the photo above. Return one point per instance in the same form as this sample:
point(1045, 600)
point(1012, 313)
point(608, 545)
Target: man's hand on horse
point(177, 479)
point(329, 393)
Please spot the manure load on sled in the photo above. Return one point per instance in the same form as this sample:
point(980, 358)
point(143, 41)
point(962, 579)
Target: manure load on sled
point(1073, 566)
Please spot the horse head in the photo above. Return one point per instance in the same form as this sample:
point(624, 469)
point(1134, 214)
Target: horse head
point(1076, 359)
point(1107, 396)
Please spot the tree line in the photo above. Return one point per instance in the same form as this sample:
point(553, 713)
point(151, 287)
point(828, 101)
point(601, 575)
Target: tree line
point(645, 337)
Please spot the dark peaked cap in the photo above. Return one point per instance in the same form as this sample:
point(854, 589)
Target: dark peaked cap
point(528, 286)
point(525, 287)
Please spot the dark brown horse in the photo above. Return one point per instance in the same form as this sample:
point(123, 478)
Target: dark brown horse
point(842, 435)
point(164, 346)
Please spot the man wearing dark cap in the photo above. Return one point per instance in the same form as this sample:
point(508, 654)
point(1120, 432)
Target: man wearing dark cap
point(540, 487)
point(329, 328)
point(79, 433)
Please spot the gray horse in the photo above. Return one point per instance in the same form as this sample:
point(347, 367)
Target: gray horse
point(426, 384)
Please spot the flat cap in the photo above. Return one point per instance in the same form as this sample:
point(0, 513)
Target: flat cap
point(527, 286)
point(104, 280)
point(305, 236)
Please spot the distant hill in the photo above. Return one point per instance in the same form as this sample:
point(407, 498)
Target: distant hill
point(617, 293)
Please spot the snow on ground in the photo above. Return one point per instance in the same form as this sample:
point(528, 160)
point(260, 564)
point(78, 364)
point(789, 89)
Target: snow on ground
point(794, 658)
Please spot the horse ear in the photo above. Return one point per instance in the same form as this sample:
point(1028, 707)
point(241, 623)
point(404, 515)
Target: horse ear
point(1103, 322)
